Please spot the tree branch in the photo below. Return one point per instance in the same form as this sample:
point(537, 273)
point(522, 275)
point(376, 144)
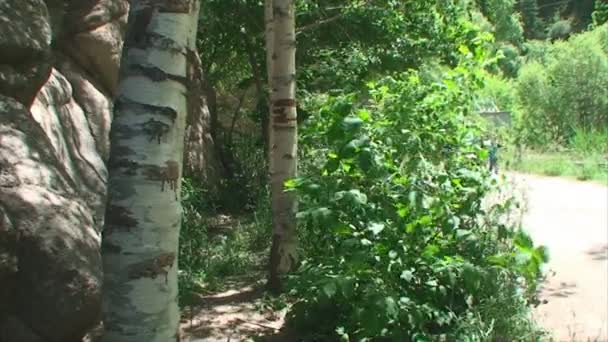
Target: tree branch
point(326, 21)
point(315, 25)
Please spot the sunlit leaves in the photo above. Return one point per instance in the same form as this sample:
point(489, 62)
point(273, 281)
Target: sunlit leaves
point(403, 176)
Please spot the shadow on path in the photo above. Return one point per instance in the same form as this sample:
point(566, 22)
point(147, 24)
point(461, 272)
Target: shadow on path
point(599, 254)
point(234, 315)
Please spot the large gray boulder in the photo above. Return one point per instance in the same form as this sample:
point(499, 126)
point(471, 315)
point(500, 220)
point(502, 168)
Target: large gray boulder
point(55, 117)
point(59, 62)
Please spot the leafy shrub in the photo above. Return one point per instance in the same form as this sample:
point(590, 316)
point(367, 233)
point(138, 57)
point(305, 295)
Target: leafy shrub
point(510, 61)
point(206, 256)
point(193, 240)
point(600, 14)
point(567, 91)
point(398, 243)
point(590, 142)
point(245, 181)
point(498, 91)
point(507, 24)
point(536, 51)
point(534, 94)
point(561, 29)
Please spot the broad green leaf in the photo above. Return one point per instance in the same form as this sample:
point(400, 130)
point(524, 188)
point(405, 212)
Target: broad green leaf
point(407, 275)
point(351, 123)
point(364, 115)
point(330, 289)
point(392, 309)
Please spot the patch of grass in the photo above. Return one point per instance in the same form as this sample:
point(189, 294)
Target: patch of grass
point(581, 166)
point(590, 142)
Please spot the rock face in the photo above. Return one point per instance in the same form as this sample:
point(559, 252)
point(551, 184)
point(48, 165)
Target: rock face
point(58, 71)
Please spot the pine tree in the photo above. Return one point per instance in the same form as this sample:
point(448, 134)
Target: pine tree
point(531, 21)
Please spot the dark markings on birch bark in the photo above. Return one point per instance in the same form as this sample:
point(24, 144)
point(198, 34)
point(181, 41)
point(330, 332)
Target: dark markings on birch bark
point(279, 115)
point(281, 118)
point(152, 72)
point(153, 173)
point(175, 6)
point(111, 248)
point(129, 167)
point(161, 42)
point(155, 130)
point(170, 175)
point(285, 103)
point(123, 103)
point(119, 218)
point(122, 131)
point(155, 74)
point(278, 12)
point(122, 151)
point(279, 111)
point(137, 30)
point(153, 268)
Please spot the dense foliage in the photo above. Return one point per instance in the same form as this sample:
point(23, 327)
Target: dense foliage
point(557, 100)
point(399, 243)
point(567, 90)
point(560, 90)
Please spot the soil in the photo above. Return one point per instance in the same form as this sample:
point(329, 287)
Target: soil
point(571, 219)
point(238, 314)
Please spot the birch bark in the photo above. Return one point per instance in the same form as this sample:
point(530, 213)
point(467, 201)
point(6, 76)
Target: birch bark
point(140, 240)
point(283, 139)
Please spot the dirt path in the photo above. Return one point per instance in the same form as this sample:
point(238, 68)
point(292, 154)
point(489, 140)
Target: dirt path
point(571, 219)
point(234, 315)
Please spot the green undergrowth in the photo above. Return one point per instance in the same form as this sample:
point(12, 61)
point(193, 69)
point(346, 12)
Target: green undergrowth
point(571, 164)
point(217, 247)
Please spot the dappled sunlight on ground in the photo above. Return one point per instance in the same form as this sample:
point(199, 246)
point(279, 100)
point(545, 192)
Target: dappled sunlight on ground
point(233, 315)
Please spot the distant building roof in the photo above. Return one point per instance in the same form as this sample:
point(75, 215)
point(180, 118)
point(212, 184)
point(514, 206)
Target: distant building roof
point(497, 118)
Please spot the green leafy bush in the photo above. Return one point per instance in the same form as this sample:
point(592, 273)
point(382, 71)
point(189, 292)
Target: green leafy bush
point(536, 51)
point(193, 239)
point(510, 61)
point(590, 142)
point(565, 91)
point(497, 91)
point(213, 246)
point(535, 97)
point(397, 240)
point(600, 14)
point(561, 29)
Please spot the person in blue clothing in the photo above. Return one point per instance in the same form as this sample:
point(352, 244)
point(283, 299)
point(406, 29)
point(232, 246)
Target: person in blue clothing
point(494, 156)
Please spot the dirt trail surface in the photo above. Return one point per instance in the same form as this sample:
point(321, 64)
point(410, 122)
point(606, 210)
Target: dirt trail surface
point(237, 314)
point(571, 219)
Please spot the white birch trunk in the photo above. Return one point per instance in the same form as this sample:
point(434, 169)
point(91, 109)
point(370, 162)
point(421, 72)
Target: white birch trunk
point(143, 216)
point(283, 141)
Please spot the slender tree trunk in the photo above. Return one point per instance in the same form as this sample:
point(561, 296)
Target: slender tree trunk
point(262, 97)
point(140, 240)
point(283, 140)
point(269, 37)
